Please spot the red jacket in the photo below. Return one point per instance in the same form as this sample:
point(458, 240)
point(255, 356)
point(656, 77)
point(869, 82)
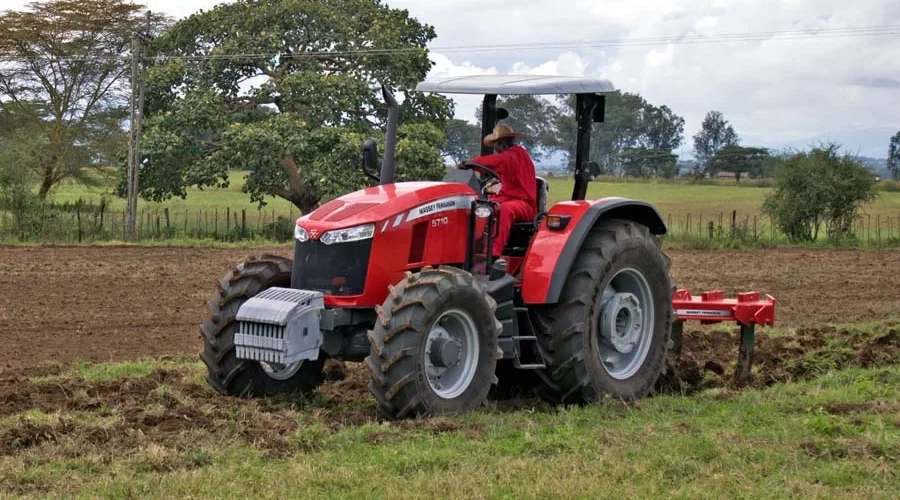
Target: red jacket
point(516, 171)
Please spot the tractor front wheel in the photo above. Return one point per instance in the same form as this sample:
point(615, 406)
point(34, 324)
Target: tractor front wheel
point(434, 348)
point(608, 334)
point(240, 377)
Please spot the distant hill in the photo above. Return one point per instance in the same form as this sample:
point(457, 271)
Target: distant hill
point(867, 142)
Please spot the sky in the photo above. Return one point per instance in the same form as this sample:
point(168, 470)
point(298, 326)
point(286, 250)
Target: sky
point(775, 91)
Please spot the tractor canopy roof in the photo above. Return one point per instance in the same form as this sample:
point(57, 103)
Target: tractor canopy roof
point(516, 85)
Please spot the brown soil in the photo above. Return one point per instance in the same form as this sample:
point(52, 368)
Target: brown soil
point(64, 304)
point(707, 359)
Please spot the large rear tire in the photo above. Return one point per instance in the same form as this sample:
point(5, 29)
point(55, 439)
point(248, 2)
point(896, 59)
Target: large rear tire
point(434, 345)
point(239, 377)
point(609, 333)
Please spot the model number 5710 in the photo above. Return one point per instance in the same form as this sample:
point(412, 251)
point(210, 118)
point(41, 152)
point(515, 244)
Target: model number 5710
point(442, 221)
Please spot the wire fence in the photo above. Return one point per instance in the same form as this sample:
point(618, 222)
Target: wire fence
point(83, 223)
point(98, 224)
point(736, 229)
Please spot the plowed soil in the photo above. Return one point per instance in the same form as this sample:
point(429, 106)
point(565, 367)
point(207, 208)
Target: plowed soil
point(66, 304)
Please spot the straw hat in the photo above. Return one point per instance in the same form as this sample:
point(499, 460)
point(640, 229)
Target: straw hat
point(500, 132)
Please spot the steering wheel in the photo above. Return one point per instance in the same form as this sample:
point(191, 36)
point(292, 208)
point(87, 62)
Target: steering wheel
point(489, 176)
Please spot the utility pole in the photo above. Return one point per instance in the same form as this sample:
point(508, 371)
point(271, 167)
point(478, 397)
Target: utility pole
point(139, 54)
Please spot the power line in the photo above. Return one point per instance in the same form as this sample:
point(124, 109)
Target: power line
point(684, 39)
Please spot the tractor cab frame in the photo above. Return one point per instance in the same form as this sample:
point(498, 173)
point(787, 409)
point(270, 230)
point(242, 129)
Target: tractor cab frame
point(590, 106)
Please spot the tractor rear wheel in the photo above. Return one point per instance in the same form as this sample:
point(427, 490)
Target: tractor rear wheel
point(609, 333)
point(240, 377)
point(434, 347)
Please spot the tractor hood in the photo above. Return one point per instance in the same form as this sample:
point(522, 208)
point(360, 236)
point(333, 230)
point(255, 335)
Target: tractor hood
point(387, 202)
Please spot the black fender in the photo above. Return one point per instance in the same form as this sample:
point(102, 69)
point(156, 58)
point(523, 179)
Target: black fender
point(610, 208)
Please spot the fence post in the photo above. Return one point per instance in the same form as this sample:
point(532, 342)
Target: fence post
point(733, 221)
point(243, 223)
point(78, 216)
point(878, 229)
point(216, 224)
point(711, 229)
point(236, 227)
point(168, 226)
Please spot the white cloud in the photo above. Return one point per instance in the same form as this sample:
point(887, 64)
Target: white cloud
point(774, 90)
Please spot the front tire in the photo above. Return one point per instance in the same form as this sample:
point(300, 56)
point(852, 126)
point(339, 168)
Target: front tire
point(231, 376)
point(434, 345)
point(609, 333)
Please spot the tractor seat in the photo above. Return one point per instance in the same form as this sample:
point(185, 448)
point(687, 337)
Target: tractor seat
point(542, 192)
point(521, 232)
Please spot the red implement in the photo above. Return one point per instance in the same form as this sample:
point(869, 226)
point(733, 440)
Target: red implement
point(748, 310)
point(712, 307)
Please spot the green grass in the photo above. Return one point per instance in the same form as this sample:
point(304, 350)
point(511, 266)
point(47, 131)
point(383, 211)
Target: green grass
point(838, 435)
point(671, 198)
point(687, 207)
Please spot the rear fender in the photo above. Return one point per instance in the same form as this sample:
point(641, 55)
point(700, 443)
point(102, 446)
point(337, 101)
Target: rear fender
point(552, 252)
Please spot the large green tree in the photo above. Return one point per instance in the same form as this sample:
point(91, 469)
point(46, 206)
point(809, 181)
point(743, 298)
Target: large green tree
point(715, 133)
point(645, 162)
point(287, 89)
point(65, 78)
point(463, 140)
point(740, 160)
point(631, 123)
point(893, 159)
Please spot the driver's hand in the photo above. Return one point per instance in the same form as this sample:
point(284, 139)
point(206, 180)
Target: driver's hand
point(461, 165)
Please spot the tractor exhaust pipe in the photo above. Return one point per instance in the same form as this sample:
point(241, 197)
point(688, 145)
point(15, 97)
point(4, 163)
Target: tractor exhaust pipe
point(389, 162)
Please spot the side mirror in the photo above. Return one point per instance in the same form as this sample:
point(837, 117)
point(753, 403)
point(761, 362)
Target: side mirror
point(502, 114)
point(370, 159)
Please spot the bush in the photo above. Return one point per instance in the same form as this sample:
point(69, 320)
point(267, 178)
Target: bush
point(817, 189)
point(16, 186)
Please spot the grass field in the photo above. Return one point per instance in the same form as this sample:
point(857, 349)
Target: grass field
point(157, 432)
point(671, 199)
point(688, 209)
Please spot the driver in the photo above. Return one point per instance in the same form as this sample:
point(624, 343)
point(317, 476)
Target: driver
point(518, 191)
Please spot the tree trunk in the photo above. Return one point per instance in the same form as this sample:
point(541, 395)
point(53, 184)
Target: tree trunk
point(303, 201)
point(46, 180)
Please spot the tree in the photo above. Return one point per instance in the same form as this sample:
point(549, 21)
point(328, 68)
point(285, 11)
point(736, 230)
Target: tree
point(533, 116)
point(739, 160)
point(64, 70)
point(644, 162)
point(631, 122)
point(715, 133)
point(463, 140)
point(287, 89)
point(893, 160)
point(818, 188)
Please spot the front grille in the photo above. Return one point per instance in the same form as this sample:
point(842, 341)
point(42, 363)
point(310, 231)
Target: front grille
point(338, 269)
point(279, 325)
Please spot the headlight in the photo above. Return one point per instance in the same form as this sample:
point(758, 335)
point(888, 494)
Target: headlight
point(350, 234)
point(300, 234)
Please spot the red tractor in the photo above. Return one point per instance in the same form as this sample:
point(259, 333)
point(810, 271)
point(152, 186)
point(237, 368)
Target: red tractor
point(399, 276)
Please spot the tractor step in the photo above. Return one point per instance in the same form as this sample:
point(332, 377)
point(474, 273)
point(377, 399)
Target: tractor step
point(527, 359)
